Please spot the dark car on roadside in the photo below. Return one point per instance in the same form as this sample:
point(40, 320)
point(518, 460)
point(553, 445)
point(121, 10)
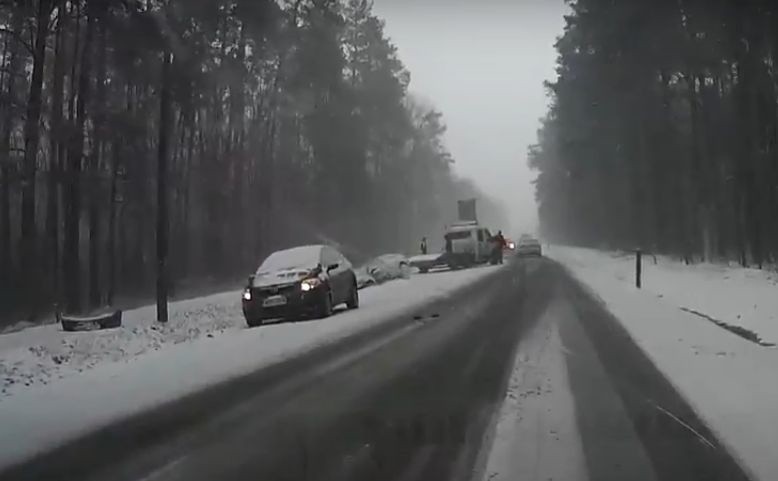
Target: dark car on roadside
point(300, 282)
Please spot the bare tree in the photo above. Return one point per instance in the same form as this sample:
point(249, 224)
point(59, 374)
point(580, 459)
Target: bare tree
point(162, 190)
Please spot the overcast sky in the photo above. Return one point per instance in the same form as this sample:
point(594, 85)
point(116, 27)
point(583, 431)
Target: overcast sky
point(482, 63)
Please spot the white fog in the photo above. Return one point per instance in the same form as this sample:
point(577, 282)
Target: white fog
point(484, 69)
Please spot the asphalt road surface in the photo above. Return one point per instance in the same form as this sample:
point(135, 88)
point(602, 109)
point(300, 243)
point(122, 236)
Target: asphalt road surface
point(415, 399)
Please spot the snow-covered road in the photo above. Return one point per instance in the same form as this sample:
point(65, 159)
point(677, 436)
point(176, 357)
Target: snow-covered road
point(58, 385)
point(728, 380)
point(538, 406)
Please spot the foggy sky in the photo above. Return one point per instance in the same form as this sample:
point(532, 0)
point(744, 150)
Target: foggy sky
point(482, 63)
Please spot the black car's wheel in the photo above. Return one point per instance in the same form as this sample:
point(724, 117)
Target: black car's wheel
point(325, 309)
point(353, 298)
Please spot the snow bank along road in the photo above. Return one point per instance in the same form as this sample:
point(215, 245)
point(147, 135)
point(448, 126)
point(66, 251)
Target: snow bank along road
point(742, 298)
point(420, 397)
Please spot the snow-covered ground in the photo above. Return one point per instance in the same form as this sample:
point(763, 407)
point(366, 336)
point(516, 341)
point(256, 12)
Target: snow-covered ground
point(57, 385)
point(730, 294)
point(730, 381)
point(45, 354)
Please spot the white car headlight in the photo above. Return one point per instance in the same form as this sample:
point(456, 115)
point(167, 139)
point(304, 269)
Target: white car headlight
point(247, 294)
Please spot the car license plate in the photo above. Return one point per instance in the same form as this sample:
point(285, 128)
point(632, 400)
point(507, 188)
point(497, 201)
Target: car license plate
point(274, 301)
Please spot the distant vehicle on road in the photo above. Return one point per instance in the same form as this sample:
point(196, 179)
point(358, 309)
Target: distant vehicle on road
point(528, 247)
point(293, 283)
point(467, 244)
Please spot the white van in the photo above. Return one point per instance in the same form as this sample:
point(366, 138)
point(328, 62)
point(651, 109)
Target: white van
point(467, 244)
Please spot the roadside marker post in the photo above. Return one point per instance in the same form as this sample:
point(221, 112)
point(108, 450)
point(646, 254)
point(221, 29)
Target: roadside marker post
point(638, 267)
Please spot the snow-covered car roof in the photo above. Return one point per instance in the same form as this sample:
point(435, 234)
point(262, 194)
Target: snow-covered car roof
point(303, 257)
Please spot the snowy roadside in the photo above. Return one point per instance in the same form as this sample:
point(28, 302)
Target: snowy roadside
point(45, 354)
point(66, 384)
point(732, 295)
point(728, 380)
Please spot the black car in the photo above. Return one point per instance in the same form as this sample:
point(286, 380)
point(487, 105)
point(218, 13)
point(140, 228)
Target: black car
point(299, 282)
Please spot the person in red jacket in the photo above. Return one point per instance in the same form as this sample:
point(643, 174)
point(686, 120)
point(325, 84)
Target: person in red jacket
point(499, 244)
point(501, 240)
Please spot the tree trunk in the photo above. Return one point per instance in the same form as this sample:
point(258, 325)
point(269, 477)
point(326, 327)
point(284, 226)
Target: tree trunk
point(112, 205)
point(181, 238)
point(237, 128)
point(14, 71)
point(29, 249)
point(740, 233)
point(56, 154)
point(162, 204)
point(4, 184)
point(116, 240)
point(95, 159)
point(75, 154)
point(693, 172)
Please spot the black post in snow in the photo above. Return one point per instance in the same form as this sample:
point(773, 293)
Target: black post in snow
point(638, 267)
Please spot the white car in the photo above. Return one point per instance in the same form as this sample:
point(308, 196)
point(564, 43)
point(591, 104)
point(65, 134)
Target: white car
point(383, 268)
point(529, 247)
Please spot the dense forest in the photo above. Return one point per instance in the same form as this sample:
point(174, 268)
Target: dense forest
point(211, 130)
point(663, 129)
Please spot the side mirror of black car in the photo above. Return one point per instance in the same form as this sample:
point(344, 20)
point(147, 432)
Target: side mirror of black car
point(251, 280)
point(333, 267)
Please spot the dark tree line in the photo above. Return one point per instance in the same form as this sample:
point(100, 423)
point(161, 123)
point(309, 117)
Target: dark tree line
point(262, 123)
point(663, 131)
